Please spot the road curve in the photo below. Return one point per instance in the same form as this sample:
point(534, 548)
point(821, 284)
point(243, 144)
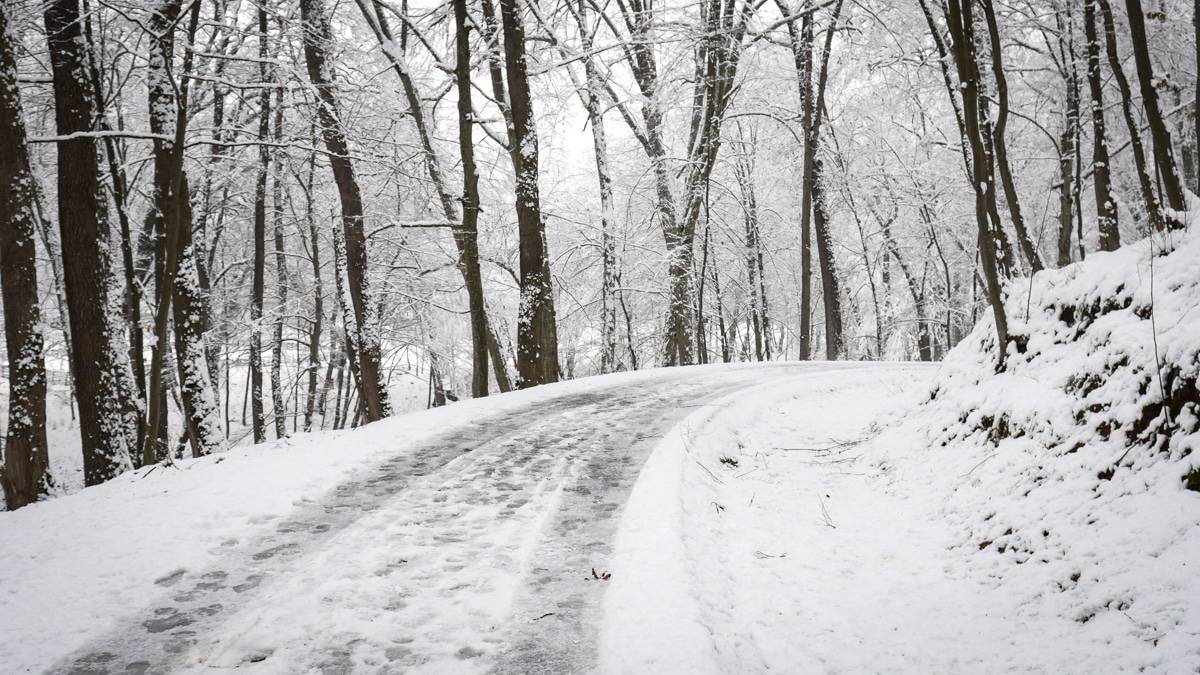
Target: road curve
point(472, 552)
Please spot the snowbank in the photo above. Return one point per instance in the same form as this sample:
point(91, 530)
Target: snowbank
point(1068, 478)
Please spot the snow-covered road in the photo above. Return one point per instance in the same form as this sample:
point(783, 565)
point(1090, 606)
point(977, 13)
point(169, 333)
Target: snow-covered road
point(470, 551)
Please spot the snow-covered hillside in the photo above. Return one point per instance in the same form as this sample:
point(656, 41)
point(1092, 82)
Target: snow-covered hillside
point(1071, 479)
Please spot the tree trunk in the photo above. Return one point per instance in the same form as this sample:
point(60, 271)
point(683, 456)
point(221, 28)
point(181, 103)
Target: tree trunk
point(95, 348)
point(962, 32)
point(171, 201)
point(537, 331)
point(24, 473)
point(314, 336)
point(257, 415)
point(830, 288)
point(316, 36)
point(1135, 137)
point(467, 235)
point(1066, 160)
point(590, 94)
point(281, 277)
point(1106, 205)
point(1001, 148)
point(466, 240)
point(1159, 134)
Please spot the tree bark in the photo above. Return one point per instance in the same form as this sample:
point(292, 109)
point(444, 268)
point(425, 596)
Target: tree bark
point(1010, 187)
point(537, 331)
point(316, 36)
point(962, 32)
point(95, 348)
point(1106, 205)
point(24, 473)
point(1153, 208)
point(467, 235)
point(257, 414)
point(278, 408)
point(1159, 134)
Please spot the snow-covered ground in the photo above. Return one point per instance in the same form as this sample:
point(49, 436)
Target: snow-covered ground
point(715, 519)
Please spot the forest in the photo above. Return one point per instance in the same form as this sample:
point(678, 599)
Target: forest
point(225, 221)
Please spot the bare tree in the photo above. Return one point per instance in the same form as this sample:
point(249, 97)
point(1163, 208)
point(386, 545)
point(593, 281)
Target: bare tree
point(315, 32)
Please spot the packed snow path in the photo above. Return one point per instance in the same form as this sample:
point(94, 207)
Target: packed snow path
point(472, 552)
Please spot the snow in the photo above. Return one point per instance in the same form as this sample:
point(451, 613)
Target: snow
point(844, 517)
point(170, 550)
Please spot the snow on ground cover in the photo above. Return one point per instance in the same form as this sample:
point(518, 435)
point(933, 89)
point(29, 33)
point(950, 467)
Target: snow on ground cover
point(1034, 520)
point(1064, 478)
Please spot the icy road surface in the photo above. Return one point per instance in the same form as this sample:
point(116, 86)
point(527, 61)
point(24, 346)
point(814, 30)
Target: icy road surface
point(470, 551)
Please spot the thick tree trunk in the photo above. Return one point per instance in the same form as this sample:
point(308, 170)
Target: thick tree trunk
point(831, 294)
point(95, 349)
point(1106, 205)
point(316, 36)
point(24, 473)
point(813, 99)
point(537, 331)
point(1171, 185)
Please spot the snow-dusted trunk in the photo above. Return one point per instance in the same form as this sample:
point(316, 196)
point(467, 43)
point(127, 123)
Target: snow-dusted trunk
point(466, 235)
point(1106, 204)
point(281, 277)
point(24, 472)
point(812, 208)
point(831, 294)
point(316, 36)
point(100, 381)
point(318, 318)
point(120, 191)
point(197, 393)
point(961, 22)
point(1067, 148)
point(1171, 186)
point(257, 414)
point(1001, 146)
point(349, 335)
point(801, 43)
point(1153, 208)
point(590, 95)
point(537, 331)
point(171, 201)
point(755, 285)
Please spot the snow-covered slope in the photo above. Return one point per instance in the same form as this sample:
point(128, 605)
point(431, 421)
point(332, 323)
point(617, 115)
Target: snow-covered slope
point(1071, 477)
